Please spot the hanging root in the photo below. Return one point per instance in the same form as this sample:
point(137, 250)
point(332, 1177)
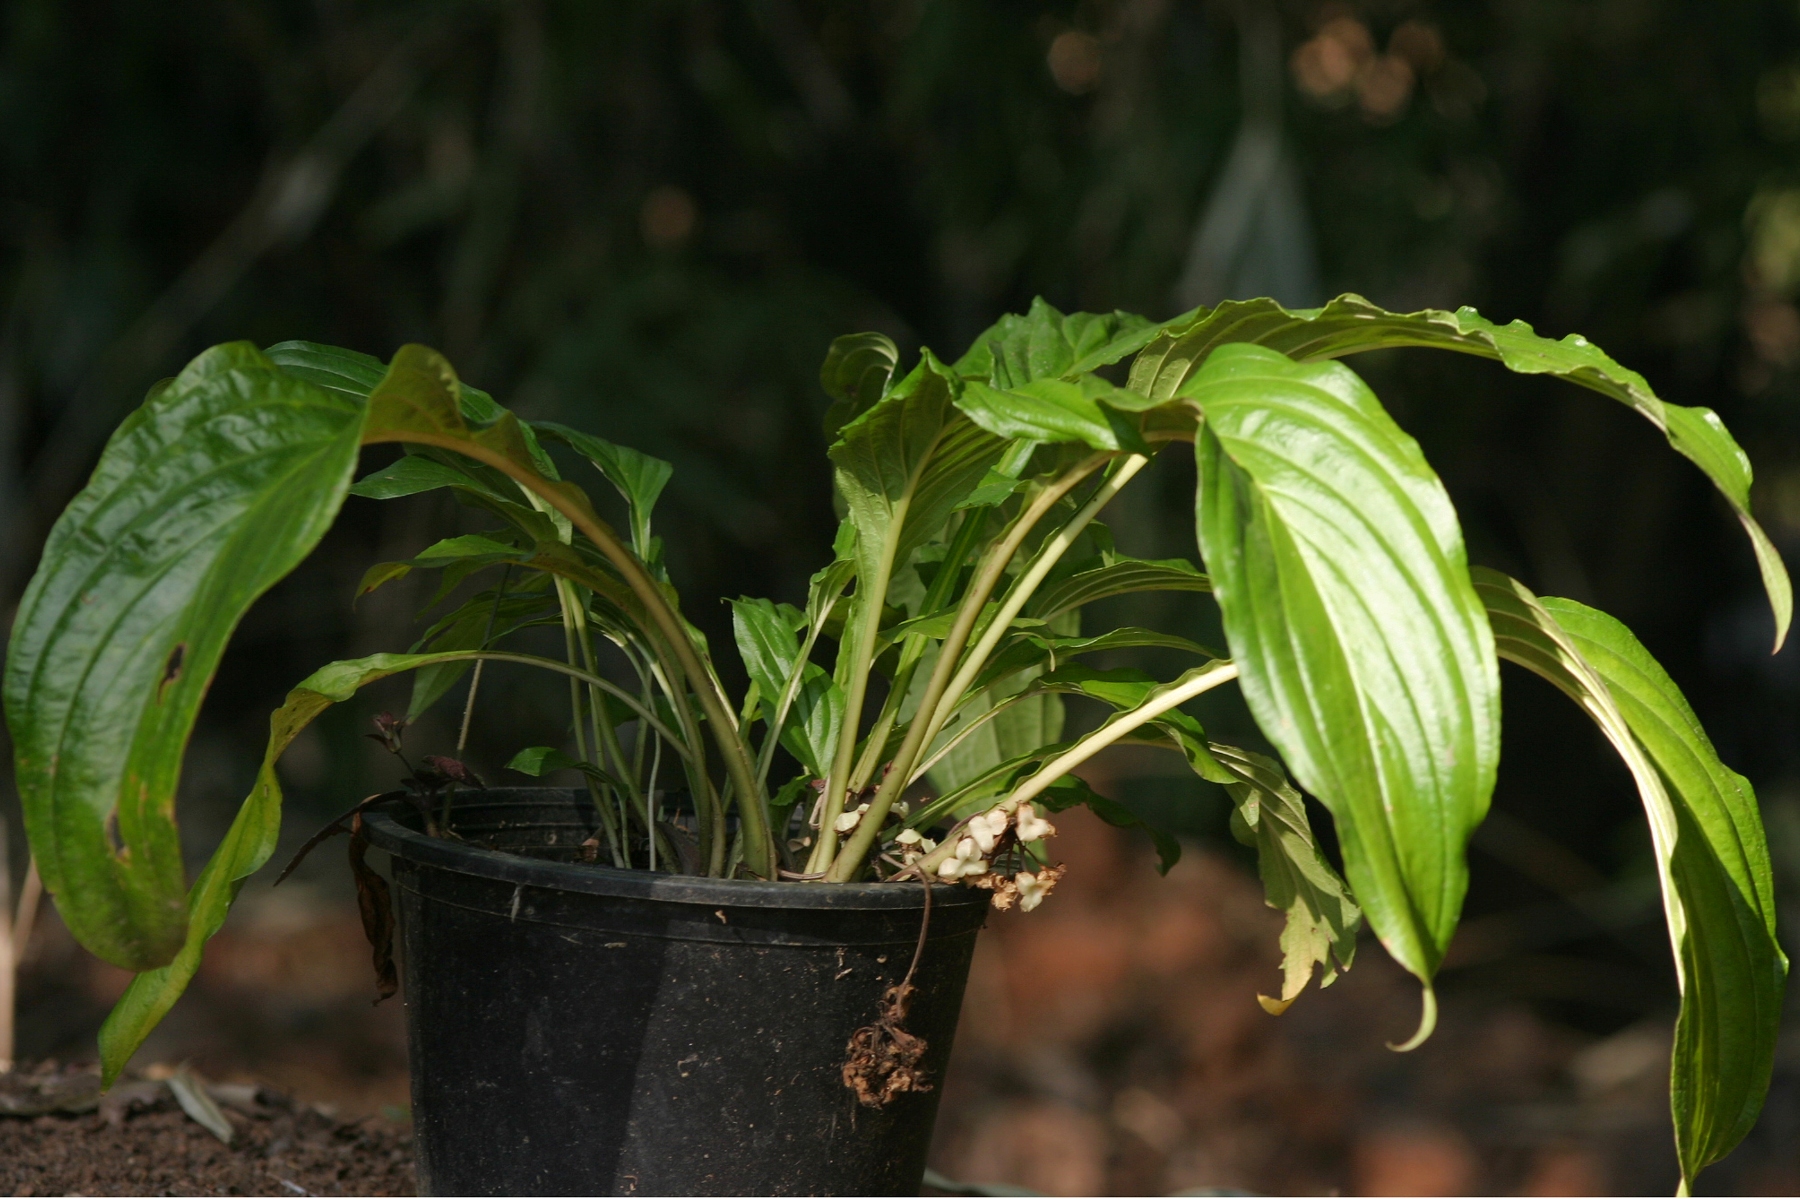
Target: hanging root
point(882, 1060)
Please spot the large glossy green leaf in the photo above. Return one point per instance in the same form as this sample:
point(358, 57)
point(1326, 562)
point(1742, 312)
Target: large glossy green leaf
point(1052, 410)
point(1712, 857)
point(1042, 343)
point(1365, 656)
point(1351, 324)
point(203, 499)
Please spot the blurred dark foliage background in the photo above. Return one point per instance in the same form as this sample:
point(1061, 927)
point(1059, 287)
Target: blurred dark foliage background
point(648, 219)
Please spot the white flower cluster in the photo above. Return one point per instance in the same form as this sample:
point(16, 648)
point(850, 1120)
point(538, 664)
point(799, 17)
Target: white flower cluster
point(983, 832)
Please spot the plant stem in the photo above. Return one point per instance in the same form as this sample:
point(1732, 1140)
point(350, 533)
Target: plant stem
point(25, 912)
point(788, 692)
point(870, 594)
point(759, 847)
point(993, 567)
point(551, 664)
point(651, 805)
point(936, 597)
point(9, 969)
point(606, 738)
point(1021, 591)
point(462, 737)
point(571, 606)
point(1204, 680)
point(962, 735)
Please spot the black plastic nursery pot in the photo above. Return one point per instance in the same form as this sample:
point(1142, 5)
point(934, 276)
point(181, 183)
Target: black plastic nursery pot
point(582, 1030)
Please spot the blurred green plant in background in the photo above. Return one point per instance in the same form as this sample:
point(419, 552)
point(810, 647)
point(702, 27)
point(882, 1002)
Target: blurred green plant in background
point(649, 219)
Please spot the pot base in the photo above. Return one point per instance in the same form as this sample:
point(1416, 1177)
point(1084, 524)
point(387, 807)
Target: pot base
point(579, 1030)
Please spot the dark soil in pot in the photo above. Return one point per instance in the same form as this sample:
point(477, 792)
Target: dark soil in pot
point(583, 1030)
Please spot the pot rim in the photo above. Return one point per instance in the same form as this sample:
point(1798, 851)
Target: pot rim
point(387, 833)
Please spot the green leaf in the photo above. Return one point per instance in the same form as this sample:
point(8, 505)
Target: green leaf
point(993, 489)
point(1712, 857)
point(1365, 655)
point(1033, 648)
point(1051, 410)
point(479, 622)
point(1118, 577)
point(1023, 725)
point(253, 835)
point(768, 642)
point(1071, 790)
point(855, 374)
point(469, 551)
point(246, 847)
point(348, 372)
point(1045, 344)
point(1270, 817)
point(411, 474)
point(816, 720)
point(203, 499)
point(541, 760)
point(639, 477)
point(1351, 324)
point(905, 465)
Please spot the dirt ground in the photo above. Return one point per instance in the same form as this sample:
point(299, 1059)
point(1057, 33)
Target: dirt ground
point(1111, 1043)
point(143, 1144)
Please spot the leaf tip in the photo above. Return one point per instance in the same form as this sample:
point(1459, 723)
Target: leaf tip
point(1427, 1023)
point(1275, 1007)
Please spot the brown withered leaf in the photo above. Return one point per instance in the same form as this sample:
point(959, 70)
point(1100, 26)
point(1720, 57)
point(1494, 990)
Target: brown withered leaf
point(1006, 892)
point(376, 903)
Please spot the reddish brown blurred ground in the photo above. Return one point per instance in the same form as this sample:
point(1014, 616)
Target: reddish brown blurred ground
point(1111, 1043)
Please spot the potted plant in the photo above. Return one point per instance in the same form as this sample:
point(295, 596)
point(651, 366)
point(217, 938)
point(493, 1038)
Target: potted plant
point(751, 988)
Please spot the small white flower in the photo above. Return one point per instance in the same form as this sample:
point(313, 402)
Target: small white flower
point(847, 821)
point(1031, 890)
point(1033, 827)
point(987, 828)
point(908, 837)
point(967, 861)
point(901, 809)
point(927, 845)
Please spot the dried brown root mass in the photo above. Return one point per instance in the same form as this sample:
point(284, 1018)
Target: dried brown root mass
point(883, 1059)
